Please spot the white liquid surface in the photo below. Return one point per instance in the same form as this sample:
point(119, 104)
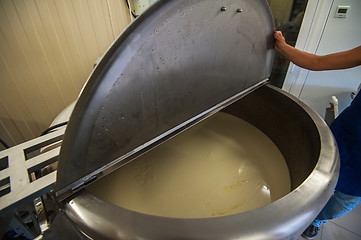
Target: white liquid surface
point(219, 167)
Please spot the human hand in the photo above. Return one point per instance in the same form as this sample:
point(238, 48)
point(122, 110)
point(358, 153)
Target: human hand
point(280, 40)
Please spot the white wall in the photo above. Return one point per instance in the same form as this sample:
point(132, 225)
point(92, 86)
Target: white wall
point(322, 33)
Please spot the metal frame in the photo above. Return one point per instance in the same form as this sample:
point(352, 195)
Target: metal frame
point(18, 184)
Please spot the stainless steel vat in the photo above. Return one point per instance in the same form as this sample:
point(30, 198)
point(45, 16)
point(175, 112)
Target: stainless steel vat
point(312, 158)
point(178, 63)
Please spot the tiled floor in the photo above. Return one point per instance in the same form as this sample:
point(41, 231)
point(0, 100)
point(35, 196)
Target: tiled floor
point(347, 227)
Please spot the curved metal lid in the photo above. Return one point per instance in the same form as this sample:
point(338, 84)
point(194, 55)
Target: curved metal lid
point(177, 63)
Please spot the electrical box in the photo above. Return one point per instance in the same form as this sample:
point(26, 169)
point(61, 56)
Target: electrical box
point(139, 6)
point(341, 11)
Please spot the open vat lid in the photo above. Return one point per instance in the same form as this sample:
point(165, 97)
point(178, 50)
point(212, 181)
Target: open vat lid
point(176, 64)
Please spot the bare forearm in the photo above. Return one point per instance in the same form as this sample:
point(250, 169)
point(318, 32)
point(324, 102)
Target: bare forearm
point(340, 60)
point(302, 59)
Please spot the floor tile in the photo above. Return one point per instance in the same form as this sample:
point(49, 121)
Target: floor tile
point(351, 221)
point(332, 231)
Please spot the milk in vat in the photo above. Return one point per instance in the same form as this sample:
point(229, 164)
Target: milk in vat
point(219, 167)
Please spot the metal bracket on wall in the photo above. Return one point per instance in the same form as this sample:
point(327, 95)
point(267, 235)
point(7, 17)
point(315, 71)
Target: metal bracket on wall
point(28, 170)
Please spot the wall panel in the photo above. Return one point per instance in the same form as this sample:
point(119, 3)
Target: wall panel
point(47, 50)
point(119, 14)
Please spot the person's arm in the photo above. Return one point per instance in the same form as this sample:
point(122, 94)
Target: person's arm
point(340, 60)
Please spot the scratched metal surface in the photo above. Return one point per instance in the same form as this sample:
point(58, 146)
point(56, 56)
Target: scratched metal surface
point(179, 62)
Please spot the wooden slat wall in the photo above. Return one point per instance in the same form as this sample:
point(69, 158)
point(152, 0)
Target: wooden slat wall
point(47, 50)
